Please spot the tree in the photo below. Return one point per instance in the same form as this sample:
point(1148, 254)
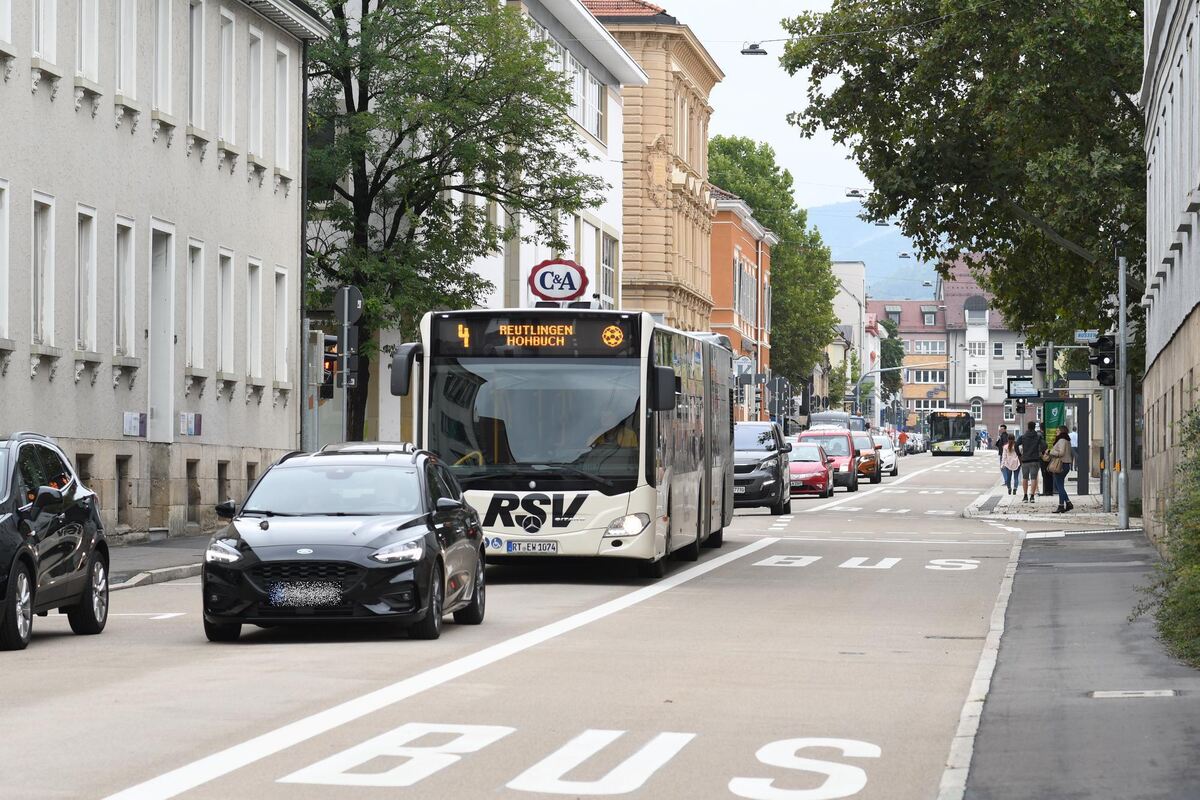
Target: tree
point(802, 283)
point(429, 118)
point(837, 386)
point(891, 357)
point(1000, 130)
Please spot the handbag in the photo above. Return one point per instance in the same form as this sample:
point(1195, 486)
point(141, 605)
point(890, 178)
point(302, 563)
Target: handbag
point(1056, 466)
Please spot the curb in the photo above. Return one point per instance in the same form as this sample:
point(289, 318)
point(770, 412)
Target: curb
point(158, 576)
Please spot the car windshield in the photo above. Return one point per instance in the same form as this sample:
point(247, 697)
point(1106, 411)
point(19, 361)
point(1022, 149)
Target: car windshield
point(863, 442)
point(805, 452)
point(336, 489)
point(834, 444)
point(753, 437)
point(883, 442)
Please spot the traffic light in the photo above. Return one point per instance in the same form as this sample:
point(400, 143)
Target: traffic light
point(1020, 406)
point(330, 362)
point(1039, 359)
point(1103, 359)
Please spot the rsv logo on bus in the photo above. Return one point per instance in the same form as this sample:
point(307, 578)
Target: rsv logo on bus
point(534, 508)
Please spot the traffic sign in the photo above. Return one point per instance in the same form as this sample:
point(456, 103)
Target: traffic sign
point(347, 305)
point(1086, 337)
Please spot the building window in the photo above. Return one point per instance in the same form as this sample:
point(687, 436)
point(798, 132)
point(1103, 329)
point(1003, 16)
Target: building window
point(593, 111)
point(283, 117)
point(196, 63)
point(976, 316)
point(225, 84)
point(45, 18)
point(894, 316)
point(609, 253)
point(87, 39)
point(281, 326)
point(127, 48)
point(578, 91)
point(123, 322)
point(926, 405)
point(977, 349)
point(767, 308)
point(977, 377)
point(43, 269)
point(997, 349)
point(930, 318)
point(997, 379)
point(977, 409)
point(4, 291)
point(254, 319)
point(85, 279)
point(162, 56)
point(927, 376)
point(195, 305)
point(6, 21)
point(254, 79)
point(225, 312)
point(1010, 414)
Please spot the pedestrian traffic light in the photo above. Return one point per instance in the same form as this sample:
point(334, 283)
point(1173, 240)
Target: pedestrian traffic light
point(1020, 406)
point(1103, 359)
point(1039, 359)
point(330, 362)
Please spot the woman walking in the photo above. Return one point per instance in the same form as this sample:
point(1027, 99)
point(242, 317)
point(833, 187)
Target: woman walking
point(1010, 464)
point(1060, 464)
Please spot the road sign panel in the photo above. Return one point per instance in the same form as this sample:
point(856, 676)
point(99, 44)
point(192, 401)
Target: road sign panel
point(1086, 337)
point(347, 305)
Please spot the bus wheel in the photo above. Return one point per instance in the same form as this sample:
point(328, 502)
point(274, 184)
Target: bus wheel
point(653, 569)
point(715, 539)
point(691, 552)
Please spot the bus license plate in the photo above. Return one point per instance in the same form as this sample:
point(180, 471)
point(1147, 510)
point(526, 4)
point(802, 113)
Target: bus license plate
point(542, 548)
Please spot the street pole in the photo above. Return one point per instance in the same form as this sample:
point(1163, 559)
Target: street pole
point(1106, 461)
point(345, 365)
point(1123, 416)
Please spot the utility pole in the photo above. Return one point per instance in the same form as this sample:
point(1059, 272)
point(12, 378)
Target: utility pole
point(1124, 407)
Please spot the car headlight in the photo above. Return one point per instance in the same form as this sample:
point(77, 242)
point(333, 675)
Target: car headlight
point(400, 552)
point(221, 551)
point(628, 525)
point(769, 463)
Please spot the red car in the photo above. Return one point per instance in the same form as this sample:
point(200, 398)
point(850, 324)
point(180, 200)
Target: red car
point(811, 470)
point(838, 444)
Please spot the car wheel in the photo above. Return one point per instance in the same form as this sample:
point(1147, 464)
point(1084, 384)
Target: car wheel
point(221, 631)
point(431, 626)
point(473, 613)
point(895, 470)
point(877, 477)
point(17, 625)
point(853, 487)
point(91, 613)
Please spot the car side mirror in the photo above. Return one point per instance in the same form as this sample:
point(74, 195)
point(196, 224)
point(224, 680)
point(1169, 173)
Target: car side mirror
point(787, 447)
point(662, 394)
point(226, 510)
point(45, 496)
point(448, 505)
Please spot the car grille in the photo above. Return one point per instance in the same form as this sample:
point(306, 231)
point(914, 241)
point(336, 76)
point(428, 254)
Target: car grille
point(267, 611)
point(741, 469)
point(339, 572)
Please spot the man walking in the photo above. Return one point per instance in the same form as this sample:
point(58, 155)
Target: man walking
point(1030, 448)
point(1001, 440)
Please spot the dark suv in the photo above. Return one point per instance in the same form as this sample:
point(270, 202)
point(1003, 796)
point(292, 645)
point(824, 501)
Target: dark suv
point(359, 532)
point(53, 554)
point(760, 467)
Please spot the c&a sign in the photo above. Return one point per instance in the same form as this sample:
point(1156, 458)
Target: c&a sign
point(558, 279)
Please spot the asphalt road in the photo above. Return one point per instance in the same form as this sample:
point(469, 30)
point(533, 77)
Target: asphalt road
point(823, 654)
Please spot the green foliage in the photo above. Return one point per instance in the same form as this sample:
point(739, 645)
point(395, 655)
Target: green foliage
point(891, 355)
point(1003, 129)
point(432, 123)
point(802, 282)
point(1174, 597)
point(837, 386)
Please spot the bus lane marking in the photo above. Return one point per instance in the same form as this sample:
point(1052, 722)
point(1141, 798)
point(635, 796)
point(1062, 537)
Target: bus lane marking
point(209, 768)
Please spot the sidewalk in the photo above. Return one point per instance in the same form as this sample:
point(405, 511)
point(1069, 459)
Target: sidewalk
point(997, 504)
point(1083, 702)
point(154, 562)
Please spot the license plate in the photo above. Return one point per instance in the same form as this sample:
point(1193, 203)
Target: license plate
point(305, 594)
point(542, 548)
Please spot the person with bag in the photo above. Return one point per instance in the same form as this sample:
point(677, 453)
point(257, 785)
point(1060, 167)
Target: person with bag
point(1060, 464)
point(1010, 464)
point(1029, 450)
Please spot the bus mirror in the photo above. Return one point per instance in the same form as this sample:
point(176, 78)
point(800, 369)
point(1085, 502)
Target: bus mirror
point(663, 389)
point(402, 367)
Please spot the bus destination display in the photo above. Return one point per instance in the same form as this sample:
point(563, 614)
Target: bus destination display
point(563, 337)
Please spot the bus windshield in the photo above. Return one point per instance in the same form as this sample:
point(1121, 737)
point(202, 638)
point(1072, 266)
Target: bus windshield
point(496, 419)
point(944, 427)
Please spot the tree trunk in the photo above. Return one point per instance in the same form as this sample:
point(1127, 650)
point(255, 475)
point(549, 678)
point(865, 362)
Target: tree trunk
point(358, 396)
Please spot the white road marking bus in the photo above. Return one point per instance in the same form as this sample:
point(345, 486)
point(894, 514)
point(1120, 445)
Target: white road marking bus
point(578, 432)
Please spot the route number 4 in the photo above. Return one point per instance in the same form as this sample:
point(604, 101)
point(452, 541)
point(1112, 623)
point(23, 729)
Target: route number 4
point(451, 742)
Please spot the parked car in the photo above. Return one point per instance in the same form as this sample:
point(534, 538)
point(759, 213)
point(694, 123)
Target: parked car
point(760, 472)
point(811, 470)
point(53, 554)
point(838, 444)
point(889, 460)
point(869, 466)
point(362, 532)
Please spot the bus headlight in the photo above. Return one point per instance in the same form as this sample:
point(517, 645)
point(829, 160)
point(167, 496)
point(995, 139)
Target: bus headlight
point(628, 525)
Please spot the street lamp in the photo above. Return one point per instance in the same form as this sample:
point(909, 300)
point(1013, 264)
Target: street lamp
point(904, 255)
point(854, 193)
point(753, 49)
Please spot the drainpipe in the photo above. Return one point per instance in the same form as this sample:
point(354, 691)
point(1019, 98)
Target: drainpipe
point(302, 316)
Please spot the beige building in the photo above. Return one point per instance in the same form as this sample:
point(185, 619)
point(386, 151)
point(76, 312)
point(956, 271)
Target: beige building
point(669, 208)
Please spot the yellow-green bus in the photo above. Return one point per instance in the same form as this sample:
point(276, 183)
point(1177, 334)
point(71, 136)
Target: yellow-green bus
point(951, 432)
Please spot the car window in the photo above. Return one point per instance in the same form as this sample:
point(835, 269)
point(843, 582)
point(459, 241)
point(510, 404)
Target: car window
point(58, 474)
point(433, 486)
point(834, 444)
point(754, 437)
point(863, 442)
point(884, 442)
point(449, 483)
point(31, 473)
point(354, 489)
point(805, 452)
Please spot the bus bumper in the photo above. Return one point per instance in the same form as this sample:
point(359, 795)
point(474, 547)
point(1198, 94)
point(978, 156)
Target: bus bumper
point(589, 542)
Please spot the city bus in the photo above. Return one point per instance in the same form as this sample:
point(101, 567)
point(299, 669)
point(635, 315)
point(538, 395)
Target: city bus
point(840, 419)
point(951, 432)
point(577, 432)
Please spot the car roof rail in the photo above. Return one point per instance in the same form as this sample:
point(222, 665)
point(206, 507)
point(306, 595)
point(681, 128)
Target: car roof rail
point(369, 447)
point(17, 436)
point(290, 454)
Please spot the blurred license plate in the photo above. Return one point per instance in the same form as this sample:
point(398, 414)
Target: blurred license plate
point(533, 547)
point(739, 490)
point(306, 594)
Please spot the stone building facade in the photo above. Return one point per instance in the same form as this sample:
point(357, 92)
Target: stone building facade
point(668, 202)
point(150, 244)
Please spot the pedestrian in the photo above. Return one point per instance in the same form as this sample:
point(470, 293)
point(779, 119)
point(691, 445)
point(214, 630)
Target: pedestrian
point(1029, 450)
point(903, 443)
point(1010, 464)
point(1061, 458)
point(1001, 440)
point(1075, 446)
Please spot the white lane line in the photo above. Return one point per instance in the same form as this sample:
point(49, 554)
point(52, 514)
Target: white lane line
point(958, 763)
point(150, 614)
point(1127, 694)
point(168, 616)
point(233, 758)
point(865, 539)
point(869, 492)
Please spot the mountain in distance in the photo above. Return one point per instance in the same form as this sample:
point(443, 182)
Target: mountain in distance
point(849, 238)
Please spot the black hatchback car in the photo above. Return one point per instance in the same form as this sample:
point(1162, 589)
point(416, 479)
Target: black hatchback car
point(760, 467)
point(358, 532)
point(53, 554)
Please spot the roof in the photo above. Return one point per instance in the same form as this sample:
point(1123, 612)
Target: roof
point(912, 315)
point(577, 18)
point(627, 8)
point(722, 194)
point(296, 17)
